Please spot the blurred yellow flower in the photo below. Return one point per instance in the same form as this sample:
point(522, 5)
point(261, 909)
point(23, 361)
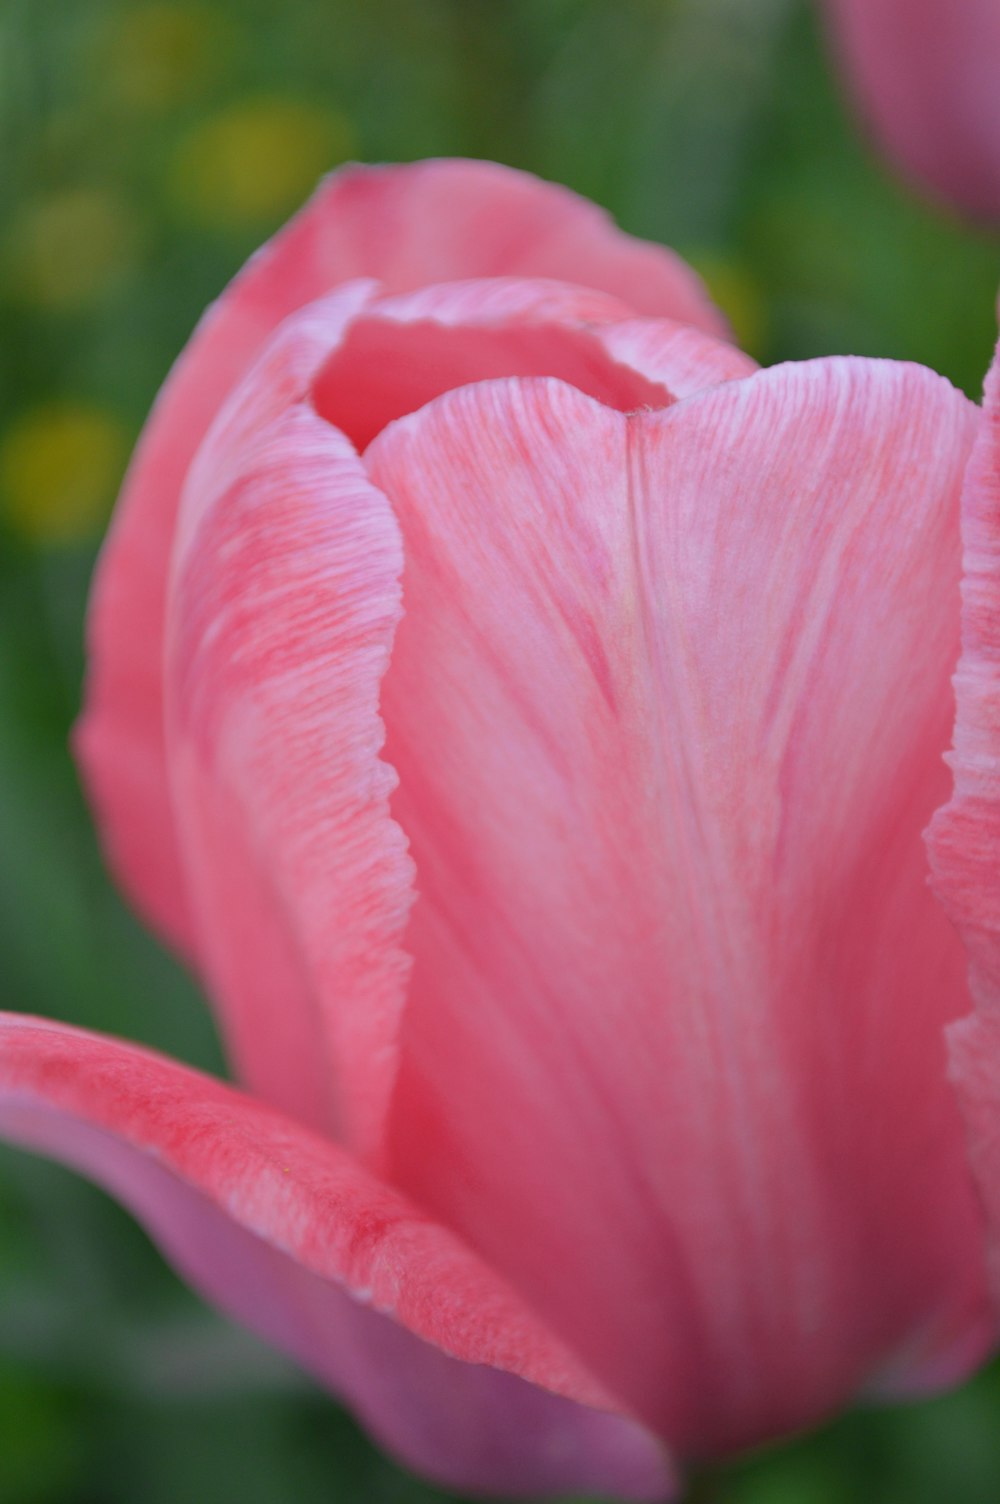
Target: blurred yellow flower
point(254, 161)
point(736, 292)
point(158, 54)
point(67, 246)
point(60, 466)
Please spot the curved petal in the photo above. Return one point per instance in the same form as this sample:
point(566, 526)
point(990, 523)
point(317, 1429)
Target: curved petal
point(283, 602)
point(679, 357)
point(288, 1235)
point(400, 352)
point(667, 706)
point(406, 226)
point(442, 220)
point(964, 837)
point(119, 737)
point(503, 300)
point(925, 72)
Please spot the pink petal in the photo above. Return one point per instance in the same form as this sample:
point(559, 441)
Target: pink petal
point(119, 738)
point(439, 221)
point(400, 352)
point(283, 603)
point(287, 1234)
point(667, 705)
point(964, 838)
point(925, 72)
point(427, 222)
point(679, 357)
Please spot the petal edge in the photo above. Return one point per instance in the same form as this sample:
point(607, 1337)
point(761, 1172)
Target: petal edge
point(289, 1236)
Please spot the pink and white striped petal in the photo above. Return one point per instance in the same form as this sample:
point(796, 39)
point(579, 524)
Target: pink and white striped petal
point(667, 704)
point(119, 737)
point(283, 602)
point(288, 1235)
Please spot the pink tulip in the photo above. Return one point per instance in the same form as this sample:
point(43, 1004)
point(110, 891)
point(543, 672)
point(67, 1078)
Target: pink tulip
point(525, 715)
point(927, 76)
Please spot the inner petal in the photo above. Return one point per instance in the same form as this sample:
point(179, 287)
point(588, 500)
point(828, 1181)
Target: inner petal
point(412, 349)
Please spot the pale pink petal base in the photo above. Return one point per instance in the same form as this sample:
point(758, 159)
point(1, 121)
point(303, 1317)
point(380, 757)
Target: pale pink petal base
point(289, 1237)
point(964, 838)
point(667, 703)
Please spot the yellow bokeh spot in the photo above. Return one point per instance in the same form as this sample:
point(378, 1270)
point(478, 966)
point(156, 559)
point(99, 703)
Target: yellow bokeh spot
point(256, 160)
point(733, 289)
point(158, 54)
point(60, 466)
point(66, 247)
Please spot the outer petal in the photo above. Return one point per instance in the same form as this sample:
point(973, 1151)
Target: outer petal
point(119, 738)
point(964, 838)
point(442, 220)
point(667, 705)
point(925, 72)
point(290, 1236)
point(282, 608)
point(428, 222)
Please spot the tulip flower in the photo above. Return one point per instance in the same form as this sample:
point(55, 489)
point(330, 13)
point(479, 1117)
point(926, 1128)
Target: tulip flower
point(525, 714)
point(925, 75)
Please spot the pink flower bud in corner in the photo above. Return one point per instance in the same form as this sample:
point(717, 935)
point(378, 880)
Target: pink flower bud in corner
point(925, 75)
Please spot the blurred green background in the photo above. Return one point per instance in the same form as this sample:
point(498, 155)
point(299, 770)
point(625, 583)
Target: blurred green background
point(147, 148)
